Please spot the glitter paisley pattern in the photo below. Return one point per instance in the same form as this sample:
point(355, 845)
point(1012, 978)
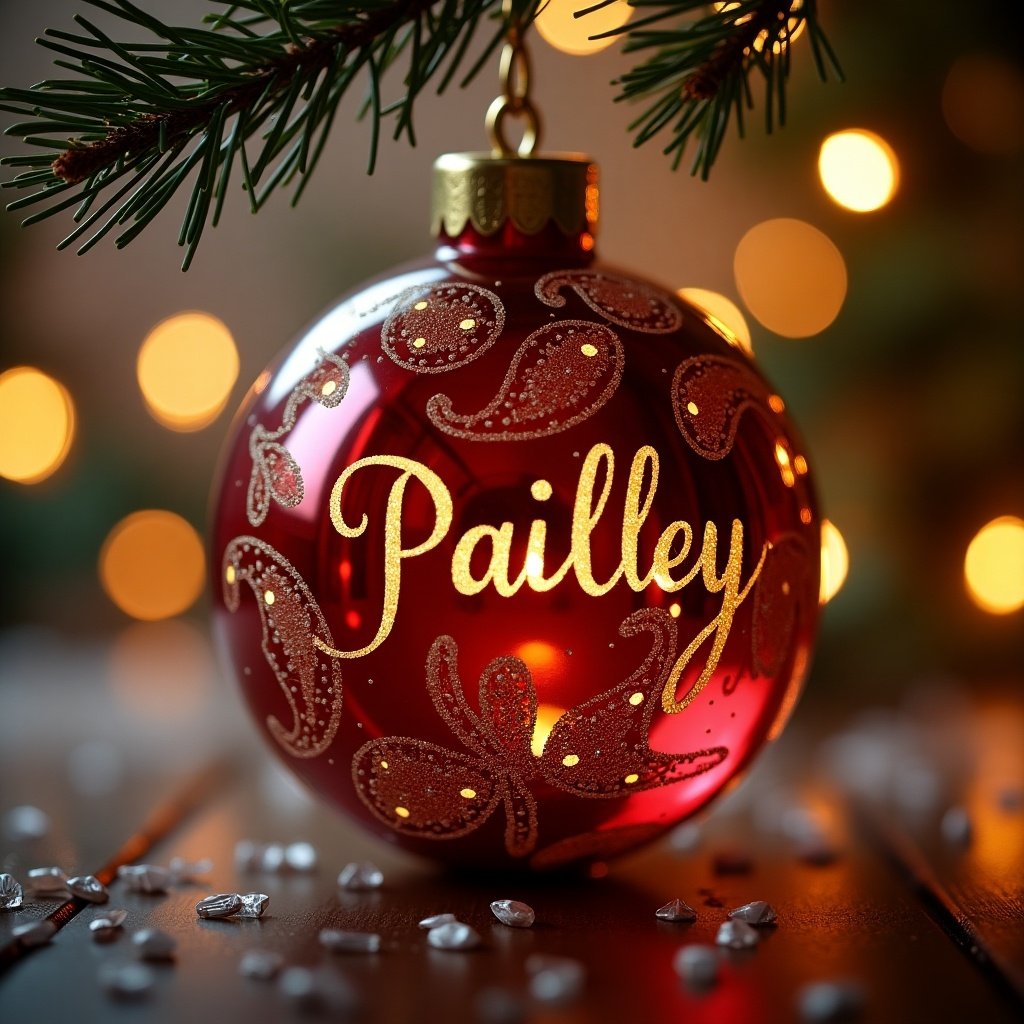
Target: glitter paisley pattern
point(781, 596)
point(309, 680)
point(561, 375)
point(709, 395)
point(437, 328)
point(275, 474)
point(619, 300)
point(599, 749)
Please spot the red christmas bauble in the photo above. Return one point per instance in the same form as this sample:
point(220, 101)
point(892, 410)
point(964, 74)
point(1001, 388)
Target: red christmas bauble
point(516, 556)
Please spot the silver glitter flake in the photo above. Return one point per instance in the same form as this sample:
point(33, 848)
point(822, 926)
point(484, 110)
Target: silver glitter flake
point(555, 980)
point(272, 859)
point(453, 936)
point(145, 878)
point(436, 920)
point(253, 904)
point(360, 876)
point(513, 913)
point(221, 904)
point(11, 893)
point(298, 985)
point(829, 1002)
point(676, 911)
point(737, 935)
point(337, 941)
point(185, 871)
point(26, 822)
point(300, 857)
point(261, 964)
point(108, 927)
point(956, 827)
point(757, 913)
point(47, 882)
point(697, 966)
point(127, 981)
point(153, 944)
point(88, 888)
point(248, 854)
point(35, 933)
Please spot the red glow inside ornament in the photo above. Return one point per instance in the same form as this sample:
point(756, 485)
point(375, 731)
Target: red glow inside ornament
point(516, 555)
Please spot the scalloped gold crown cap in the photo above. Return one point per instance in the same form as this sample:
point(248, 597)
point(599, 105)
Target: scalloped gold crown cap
point(486, 191)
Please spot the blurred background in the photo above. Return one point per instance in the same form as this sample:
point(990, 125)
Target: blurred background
point(872, 251)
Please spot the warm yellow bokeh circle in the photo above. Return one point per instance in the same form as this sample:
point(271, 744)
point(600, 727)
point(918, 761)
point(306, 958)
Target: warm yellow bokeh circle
point(994, 566)
point(724, 315)
point(37, 424)
point(152, 565)
point(835, 561)
point(186, 369)
point(557, 25)
point(858, 169)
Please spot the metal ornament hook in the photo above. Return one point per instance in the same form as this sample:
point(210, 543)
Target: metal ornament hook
point(514, 101)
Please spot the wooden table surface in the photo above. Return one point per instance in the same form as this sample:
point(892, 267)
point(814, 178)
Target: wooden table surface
point(928, 929)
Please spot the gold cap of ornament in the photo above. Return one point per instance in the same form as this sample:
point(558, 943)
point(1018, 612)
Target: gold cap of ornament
point(488, 190)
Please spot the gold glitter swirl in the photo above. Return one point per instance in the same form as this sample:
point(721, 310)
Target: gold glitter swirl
point(442, 327)
point(275, 474)
point(619, 300)
point(291, 618)
point(561, 375)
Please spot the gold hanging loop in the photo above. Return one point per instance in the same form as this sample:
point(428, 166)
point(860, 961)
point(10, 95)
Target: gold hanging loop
point(514, 101)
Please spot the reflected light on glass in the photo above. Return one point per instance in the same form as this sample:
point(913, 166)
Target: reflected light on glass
point(151, 565)
point(858, 169)
point(186, 369)
point(994, 566)
point(835, 561)
point(559, 28)
point(723, 314)
point(37, 425)
point(983, 103)
point(161, 669)
point(791, 277)
point(547, 715)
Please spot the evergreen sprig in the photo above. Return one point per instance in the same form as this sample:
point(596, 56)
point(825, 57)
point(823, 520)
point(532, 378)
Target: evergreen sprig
point(255, 91)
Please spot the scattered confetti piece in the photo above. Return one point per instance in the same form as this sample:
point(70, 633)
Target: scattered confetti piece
point(247, 855)
point(298, 985)
point(453, 936)
point(88, 888)
point(254, 904)
point(153, 944)
point(261, 964)
point(829, 1002)
point(47, 882)
point(145, 878)
point(731, 862)
point(513, 913)
point(676, 910)
point(554, 979)
point(11, 893)
point(221, 904)
point(500, 1006)
point(26, 822)
point(337, 941)
point(300, 857)
point(956, 827)
point(436, 920)
point(360, 876)
point(272, 858)
point(35, 933)
point(127, 981)
point(185, 871)
point(737, 935)
point(757, 913)
point(697, 966)
point(108, 927)
point(685, 839)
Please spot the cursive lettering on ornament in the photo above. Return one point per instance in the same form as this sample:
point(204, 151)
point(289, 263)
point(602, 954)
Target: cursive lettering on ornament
point(593, 490)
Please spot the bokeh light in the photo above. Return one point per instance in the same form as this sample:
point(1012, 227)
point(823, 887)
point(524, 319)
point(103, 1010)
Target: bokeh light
point(559, 28)
point(152, 565)
point(723, 314)
point(161, 670)
point(983, 103)
point(186, 369)
point(794, 25)
point(994, 566)
point(37, 424)
point(791, 277)
point(835, 561)
point(858, 169)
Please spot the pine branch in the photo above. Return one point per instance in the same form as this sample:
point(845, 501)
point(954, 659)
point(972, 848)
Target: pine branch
point(259, 86)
